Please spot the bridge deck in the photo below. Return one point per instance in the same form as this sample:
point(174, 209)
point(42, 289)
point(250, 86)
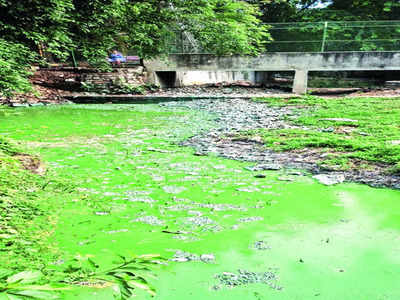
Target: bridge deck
point(302, 63)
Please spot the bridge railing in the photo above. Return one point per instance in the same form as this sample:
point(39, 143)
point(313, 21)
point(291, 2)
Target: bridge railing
point(329, 36)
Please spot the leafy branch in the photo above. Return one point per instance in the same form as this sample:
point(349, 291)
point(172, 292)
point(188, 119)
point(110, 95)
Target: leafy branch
point(130, 274)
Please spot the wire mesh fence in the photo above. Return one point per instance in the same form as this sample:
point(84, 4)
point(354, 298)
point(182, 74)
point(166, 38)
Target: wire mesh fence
point(318, 37)
point(335, 36)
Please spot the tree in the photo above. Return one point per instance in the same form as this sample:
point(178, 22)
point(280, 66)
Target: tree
point(308, 31)
point(14, 61)
point(147, 27)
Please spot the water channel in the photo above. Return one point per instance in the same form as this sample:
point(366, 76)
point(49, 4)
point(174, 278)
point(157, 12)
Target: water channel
point(226, 234)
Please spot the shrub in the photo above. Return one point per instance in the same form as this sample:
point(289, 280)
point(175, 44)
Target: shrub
point(15, 62)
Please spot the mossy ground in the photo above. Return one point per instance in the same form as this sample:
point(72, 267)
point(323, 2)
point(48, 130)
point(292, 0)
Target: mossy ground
point(372, 137)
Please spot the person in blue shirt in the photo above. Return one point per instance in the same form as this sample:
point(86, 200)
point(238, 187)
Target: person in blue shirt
point(116, 58)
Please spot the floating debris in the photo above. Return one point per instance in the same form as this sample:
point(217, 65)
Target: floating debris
point(102, 213)
point(144, 199)
point(244, 277)
point(330, 179)
point(199, 221)
point(117, 231)
point(261, 245)
point(212, 228)
point(221, 206)
point(250, 219)
point(181, 256)
point(158, 178)
point(158, 150)
point(174, 189)
point(207, 258)
point(151, 220)
point(248, 190)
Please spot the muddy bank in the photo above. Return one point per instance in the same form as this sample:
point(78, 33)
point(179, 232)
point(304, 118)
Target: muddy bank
point(235, 115)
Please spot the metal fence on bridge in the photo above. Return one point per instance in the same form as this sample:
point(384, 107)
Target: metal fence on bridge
point(319, 37)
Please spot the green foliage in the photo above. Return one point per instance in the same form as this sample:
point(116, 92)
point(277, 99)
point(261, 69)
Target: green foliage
point(224, 27)
point(322, 10)
point(34, 23)
point(147, 28)
point(307, 19)
point(130, 273)
point(25, 285)
point(26, 203)
point(125, 278)
point(92, 28)
point(6, 147)
point(15, 62)
point(395, 169)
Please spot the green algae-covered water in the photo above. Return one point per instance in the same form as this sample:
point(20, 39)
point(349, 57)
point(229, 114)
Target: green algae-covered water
point(227, 234)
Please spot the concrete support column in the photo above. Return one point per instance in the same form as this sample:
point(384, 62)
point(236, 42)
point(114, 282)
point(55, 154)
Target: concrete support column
point(300, 82)
point(179, 79)
point(152, 78)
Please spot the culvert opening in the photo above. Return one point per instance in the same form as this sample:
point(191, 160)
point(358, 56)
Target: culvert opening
point(166, 78)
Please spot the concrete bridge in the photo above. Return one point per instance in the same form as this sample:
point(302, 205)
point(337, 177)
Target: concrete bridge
point(171, 68)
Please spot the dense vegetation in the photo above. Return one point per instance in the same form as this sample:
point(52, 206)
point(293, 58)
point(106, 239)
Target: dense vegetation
point(325, 10)
point(92, 28)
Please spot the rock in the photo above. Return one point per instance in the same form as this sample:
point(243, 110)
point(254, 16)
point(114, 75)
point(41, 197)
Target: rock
point(262, 167)
point(295, 173)
point(395, 143)
point(329, 129)
point(158, 150)
point(207, 258)
point(260, 176)
point(200, 153)
point(285, 178)
point(363, 133)
point(36, 104)
point(19, 105)
point(330, 179)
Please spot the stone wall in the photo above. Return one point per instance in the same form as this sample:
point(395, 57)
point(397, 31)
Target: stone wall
point(134, 76)
point(71, 79)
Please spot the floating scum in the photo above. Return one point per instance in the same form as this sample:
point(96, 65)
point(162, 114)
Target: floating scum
point(225, 231)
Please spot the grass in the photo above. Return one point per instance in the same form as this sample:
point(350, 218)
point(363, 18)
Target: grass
point(371, 138)
point(28, 206)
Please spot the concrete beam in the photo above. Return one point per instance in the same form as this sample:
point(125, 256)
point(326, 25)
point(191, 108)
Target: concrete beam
point(328, 61)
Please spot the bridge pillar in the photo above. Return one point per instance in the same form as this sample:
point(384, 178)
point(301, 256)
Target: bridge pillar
point(300, 82)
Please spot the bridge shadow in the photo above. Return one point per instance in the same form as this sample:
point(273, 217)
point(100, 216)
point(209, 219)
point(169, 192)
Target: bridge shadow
point(124, 99)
